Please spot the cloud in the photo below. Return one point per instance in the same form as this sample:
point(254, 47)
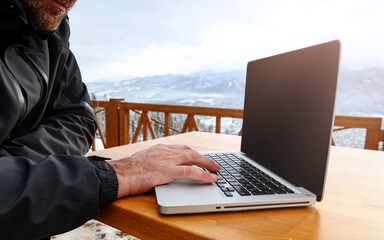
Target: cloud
point(127, 38)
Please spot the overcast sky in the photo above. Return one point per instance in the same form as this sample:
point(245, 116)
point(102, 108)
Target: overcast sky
point(119, 39)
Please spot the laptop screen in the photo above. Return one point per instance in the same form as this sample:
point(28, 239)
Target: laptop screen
point(289, 111)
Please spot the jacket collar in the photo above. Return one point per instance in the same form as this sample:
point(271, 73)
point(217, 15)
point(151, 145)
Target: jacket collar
point(12, 15)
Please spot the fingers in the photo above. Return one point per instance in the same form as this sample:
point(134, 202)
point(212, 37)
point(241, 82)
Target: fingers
point(172, 147)
point(184, 158)
point(192, 157)
point(184, 155)
point(178, 147)
point(189, 172)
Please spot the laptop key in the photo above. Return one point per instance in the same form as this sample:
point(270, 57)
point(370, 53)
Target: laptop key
point(228, 194)
point(248, 186)
point(229, 179)
point(241, 190)
point(221, 182)
point(279, 191)
point(267, 191)
point(242, 181)
point(239, 178)
point(234, 183)
point(257, 192)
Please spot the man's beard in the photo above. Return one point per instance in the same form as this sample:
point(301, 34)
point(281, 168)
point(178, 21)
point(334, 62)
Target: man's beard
point(46, 17)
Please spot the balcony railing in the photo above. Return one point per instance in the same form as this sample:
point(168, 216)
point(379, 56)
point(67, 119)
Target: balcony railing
point(118, 123)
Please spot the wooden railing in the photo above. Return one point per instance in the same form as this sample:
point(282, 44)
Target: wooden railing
point(190, 123)
point(117, 121)
point(374, 134)
point(111, 111)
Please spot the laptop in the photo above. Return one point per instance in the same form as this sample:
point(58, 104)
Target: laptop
point(286, 135)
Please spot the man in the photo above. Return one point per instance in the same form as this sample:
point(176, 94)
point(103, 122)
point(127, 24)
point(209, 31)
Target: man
point(47, 125)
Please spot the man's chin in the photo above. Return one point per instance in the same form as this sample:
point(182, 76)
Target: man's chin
point(48, 24)
point(48, 28)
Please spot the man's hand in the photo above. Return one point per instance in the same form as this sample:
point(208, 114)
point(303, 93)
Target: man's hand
point(161, 164)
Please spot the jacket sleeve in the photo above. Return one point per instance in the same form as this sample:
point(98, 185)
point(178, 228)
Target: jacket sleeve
point(68, 126)
point(46, 185)
point(53, 196)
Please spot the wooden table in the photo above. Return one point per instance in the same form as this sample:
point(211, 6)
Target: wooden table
point(353, 205)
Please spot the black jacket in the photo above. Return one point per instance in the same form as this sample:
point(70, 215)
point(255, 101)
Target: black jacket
point(46, 126)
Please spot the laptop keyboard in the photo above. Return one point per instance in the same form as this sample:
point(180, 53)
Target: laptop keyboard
point(238, 175)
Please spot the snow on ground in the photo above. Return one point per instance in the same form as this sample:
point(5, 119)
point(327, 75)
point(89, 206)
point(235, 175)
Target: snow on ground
point(94, 230)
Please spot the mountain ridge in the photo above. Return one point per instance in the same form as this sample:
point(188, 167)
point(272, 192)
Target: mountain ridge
point(360, 92)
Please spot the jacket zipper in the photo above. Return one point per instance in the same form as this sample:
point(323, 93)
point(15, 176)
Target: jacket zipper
point(36, 65)
point(22, 104)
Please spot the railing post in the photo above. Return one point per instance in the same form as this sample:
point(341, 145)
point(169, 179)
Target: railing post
point(112, 122)
point(382, 139)
point(144, 115)
point(124, 126)
point(166, 124)
point(372, 139)
point(218, 124)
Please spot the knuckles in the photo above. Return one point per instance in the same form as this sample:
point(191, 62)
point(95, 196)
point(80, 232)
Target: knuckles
point(160, 146)
point(189, 155)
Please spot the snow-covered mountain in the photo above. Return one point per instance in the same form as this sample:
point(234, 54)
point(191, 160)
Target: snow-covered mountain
point(360, 92)
point(198, 89)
